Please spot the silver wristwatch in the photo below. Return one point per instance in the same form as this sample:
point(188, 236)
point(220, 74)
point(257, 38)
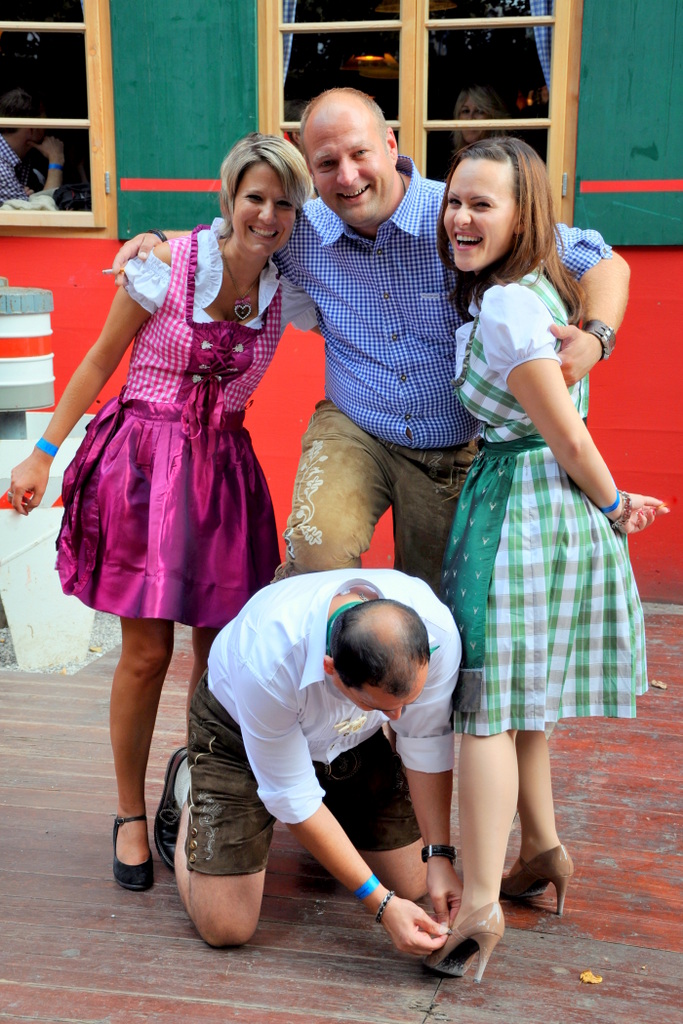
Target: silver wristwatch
point(605, 335)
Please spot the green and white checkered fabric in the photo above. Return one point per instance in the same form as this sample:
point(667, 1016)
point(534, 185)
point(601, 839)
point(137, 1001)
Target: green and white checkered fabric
point(565, 633)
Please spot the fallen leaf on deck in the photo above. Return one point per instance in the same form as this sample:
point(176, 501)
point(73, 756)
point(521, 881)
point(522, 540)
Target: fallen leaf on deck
point(95, 650)
point(588, 978)
point(658, 683)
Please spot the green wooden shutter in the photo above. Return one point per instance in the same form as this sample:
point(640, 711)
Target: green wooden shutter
point(629, 182)
point(185, 89)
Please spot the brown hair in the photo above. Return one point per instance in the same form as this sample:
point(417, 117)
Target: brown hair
point(534, 246)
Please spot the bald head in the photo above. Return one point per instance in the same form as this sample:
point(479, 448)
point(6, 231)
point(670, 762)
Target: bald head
point(335, 101)
point(379, 643)
point(352, 154)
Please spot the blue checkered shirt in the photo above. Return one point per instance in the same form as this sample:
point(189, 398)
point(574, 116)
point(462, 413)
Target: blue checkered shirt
point(383, 309)
point(14, 173)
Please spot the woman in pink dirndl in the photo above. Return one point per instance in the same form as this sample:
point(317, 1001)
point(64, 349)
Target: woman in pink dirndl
point(167, 515)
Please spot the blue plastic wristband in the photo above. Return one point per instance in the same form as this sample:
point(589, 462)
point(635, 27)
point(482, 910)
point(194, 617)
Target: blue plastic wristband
point(613, 506)
point(367, 887)
point(55, 167)
point(47, 447)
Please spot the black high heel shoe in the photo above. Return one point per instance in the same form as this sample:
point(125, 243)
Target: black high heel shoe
point(480, 932)
point(137, 877)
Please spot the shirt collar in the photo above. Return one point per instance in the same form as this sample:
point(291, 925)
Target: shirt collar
point(404, 217)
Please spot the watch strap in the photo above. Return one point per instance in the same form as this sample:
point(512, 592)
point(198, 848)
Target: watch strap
point(439, 851)
point(605, 335)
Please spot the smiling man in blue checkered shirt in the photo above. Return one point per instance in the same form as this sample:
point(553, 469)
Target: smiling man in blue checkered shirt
point(390, 432)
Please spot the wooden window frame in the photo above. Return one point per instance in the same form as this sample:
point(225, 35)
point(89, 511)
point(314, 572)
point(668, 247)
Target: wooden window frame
point(413, 27)
point(101, 220)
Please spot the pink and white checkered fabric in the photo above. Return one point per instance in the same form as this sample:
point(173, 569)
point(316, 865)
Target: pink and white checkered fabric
point(162, 348)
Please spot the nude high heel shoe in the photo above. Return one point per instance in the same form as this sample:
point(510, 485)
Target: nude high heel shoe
point(480, 931)
point(533, 878)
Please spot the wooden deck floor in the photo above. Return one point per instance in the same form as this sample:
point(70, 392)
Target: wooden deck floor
point(76, 947)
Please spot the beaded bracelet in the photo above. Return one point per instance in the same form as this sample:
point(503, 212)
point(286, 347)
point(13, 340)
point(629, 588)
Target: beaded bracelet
point(383, 905)
point(619, 523)
point(367, 887)
point(47, 447)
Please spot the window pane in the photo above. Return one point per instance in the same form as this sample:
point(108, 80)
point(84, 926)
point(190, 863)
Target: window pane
point(485, 9)
point(50, 67)
point(333, 10)
point(505, 62)
point(441, 147)
point(367, 61)
point(42, 10)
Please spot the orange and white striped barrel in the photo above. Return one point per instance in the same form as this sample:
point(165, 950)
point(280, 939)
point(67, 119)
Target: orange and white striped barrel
point(27, 378)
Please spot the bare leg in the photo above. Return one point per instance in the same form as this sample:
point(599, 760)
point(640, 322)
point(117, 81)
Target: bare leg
point(147, 646)
point(202, 638)
point(487, 789)
point(535, 802)
point(224, 909)
point(401, 870)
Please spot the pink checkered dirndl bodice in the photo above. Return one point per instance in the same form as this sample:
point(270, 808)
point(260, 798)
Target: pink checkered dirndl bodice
point(167, 511)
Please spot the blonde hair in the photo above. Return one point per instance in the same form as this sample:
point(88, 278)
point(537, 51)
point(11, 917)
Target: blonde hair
point(534, 246)
point(488, 101)
point(284, 158)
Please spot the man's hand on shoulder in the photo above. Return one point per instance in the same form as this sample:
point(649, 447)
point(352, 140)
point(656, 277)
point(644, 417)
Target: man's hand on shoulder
point(140, 246)
point(579, 352)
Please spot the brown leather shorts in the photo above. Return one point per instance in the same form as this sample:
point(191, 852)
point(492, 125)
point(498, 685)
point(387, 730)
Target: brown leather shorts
point(229, 829)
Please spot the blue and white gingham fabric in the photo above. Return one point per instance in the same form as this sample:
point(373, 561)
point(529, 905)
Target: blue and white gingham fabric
point(384, 312)
point(14, 173)
point(543, 35)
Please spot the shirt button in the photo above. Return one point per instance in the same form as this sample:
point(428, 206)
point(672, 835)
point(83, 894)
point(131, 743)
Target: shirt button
point(407, 416)
point(394, 337)
point(379, 252)
point(386, 295)
point(403, 377)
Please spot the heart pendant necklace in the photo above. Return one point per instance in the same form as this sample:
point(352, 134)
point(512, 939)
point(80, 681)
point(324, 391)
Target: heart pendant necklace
point(242, 303)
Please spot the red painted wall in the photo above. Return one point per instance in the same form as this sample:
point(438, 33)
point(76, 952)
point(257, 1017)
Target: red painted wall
point(636, 410)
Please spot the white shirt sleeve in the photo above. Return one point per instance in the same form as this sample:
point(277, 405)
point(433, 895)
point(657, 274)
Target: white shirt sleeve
point(298, 307)
point(277, 749)
point(147, 281)
point(424, 732)
point(514, 327)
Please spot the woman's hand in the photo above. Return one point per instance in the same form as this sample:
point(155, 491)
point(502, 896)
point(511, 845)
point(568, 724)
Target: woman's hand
point(28, 482)
point(411, 929)
point(644, 510)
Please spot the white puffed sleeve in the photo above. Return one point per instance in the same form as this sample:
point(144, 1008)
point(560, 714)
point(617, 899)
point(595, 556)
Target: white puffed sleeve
point(514, 328)
point(147, 281)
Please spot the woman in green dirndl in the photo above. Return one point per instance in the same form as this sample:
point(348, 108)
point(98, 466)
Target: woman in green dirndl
point(536, 571)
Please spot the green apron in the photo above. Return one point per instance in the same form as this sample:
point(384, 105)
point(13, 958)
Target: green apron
point(471, 553)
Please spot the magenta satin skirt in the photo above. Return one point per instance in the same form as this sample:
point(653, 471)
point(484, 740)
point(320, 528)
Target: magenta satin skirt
point(165, 526)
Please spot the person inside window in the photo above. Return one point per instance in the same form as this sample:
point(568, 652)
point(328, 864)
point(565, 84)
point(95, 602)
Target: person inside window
point(477, 103)
point(19, 176)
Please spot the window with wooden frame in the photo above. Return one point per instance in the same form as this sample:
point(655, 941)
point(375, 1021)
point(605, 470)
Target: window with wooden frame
point(55, 66)
point(433, 66)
